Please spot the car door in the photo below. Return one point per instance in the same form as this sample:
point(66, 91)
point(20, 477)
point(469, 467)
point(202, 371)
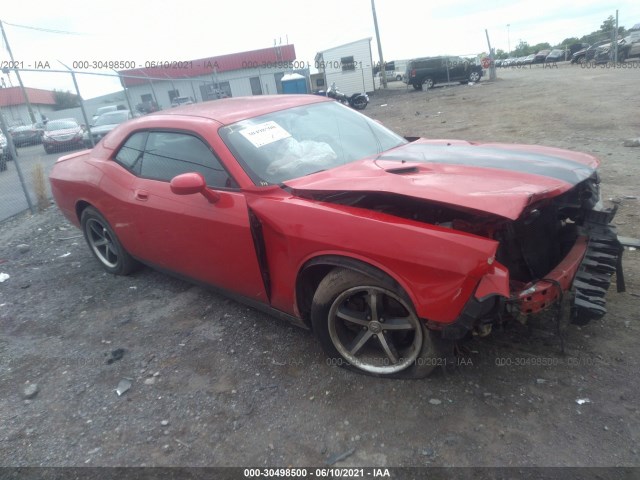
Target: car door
point(187, 234)
point(457, 69)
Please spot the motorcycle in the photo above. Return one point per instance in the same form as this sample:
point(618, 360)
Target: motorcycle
point(358, 101)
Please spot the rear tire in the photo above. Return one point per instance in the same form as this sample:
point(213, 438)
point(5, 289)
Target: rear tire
point(474, 77)
point(369, 326)
point(104, 244)
point(427, 83)
point(360, 103)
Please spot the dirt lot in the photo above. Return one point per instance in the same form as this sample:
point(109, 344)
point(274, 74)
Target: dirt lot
point(216, 383)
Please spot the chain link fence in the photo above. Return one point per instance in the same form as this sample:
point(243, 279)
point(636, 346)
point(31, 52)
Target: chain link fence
point(29, 111)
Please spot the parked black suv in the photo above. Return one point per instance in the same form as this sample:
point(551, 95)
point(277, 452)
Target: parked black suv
point(426, 72)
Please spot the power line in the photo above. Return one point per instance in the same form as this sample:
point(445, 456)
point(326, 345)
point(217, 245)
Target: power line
point(47, 30)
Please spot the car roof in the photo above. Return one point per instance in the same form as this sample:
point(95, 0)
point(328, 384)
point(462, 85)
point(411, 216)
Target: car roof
point(231, 110)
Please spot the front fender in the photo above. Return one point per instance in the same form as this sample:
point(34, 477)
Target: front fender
point(439, 268)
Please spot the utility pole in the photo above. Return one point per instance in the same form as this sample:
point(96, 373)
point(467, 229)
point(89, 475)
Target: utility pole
point(24, 92)
point(492, 65)
point(383, 75)
point(615, 39)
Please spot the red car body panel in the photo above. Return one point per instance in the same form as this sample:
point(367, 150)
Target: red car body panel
point(418, 259)
point(440, 268)
point(430, 175)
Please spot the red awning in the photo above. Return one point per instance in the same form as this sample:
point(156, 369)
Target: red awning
point(13, 96)
point(264, 58)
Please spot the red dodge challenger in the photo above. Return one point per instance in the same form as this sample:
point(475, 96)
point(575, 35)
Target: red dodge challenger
point(389, 249)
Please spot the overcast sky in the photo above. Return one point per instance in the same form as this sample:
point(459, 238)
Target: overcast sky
point(142, 30)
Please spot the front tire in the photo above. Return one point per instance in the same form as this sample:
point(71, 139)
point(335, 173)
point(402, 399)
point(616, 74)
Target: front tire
point(370, 326)
point(474, 77)
point(104, 244)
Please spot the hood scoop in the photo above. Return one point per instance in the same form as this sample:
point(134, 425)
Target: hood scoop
point(409, 170)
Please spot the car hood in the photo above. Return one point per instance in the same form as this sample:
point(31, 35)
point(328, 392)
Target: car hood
point(65, 131)
point(104, 128)
point(500, 179)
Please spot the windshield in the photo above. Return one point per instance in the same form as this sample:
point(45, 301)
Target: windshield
point(103, 110)
point(112, 118)
point(283, 145)
point(61, 125)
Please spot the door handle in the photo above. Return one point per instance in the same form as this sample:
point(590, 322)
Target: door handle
point(142, 195)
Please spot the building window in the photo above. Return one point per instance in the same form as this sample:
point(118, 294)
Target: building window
point(256, 87)
point(214, 91)
point(147, 97)
point(173, 94)
point(319, 82)
point(347, 63)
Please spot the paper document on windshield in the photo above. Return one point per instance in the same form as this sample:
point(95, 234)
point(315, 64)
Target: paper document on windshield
point(264, 133)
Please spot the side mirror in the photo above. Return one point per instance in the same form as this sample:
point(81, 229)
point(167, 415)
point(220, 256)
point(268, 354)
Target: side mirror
point(192, 183)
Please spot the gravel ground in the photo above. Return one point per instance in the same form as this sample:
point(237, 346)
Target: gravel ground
point(214, 383)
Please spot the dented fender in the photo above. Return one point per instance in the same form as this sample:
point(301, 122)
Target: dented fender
point(438, 267)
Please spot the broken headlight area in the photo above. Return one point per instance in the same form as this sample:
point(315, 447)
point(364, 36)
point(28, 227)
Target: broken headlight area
point(564, 246)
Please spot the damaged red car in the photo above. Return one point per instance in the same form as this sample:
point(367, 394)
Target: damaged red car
point(389, 249)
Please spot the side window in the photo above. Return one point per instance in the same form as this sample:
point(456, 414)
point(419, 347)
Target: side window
point(435, 63)
point(130, 154)
point(347, 63)
point(168, 154)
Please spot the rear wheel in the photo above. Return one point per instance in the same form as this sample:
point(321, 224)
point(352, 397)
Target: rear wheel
point(360, 103)
point(370, 326)
point(474, 77)
point(427, 83)
point(104, 244)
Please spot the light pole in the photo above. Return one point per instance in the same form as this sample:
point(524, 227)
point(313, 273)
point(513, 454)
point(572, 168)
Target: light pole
point(508, 40)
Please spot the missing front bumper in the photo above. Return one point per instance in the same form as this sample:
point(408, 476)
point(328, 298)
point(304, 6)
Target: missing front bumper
point(602, 259)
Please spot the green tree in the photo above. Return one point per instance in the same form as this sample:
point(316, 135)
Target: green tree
point(65, 99)
point(568, 41)
point(522, 49)
point(608, 25)
point(541, 46)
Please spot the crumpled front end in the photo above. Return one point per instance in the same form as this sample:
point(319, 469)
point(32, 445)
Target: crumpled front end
point(564, 246)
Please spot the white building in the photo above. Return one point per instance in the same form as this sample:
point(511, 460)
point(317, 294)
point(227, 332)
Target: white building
point(256, 72)
point(14, 106)
point(350, 66)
